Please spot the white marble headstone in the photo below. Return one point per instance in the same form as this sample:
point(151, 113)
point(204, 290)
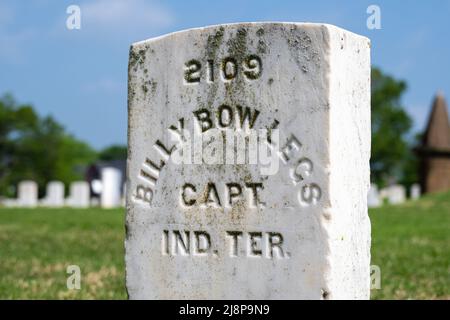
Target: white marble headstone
point(54, 196)
point(79, 195)
point(373, 197)
point(384, 193)
point(208, 223)
point(111, 185)
point(396, 194)
point(27, 195)
point(415, 191)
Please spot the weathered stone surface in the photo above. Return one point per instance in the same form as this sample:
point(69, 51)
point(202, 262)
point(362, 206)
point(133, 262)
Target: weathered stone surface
point(235, 231)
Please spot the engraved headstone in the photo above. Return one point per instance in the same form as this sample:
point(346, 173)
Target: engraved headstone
point(79, 195)
point(415, 191)
point(111, 184)
point(373, 197)
point(248, 167)
point(54, 196)
point(27, 194)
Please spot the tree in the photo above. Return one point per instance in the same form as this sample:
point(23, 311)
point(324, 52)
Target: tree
point(114, 152)
point(411, 163)
point(37, 148)
point(392, 158)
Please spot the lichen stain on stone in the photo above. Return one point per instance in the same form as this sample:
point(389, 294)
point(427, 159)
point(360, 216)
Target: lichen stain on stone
point(302, 49)
point(260, 32)
point(237, 46)
point(153, 84)
point(136, 58)
point(262, 47)
point(144, 88)
point(149, 85)
point(213, 44)
point(131, 92)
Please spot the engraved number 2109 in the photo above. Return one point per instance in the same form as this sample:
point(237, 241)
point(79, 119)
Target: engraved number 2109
point(229, 68)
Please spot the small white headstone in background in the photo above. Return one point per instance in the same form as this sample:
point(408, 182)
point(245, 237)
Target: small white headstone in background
point(10, 203)
point(384, 194)
point(373, 197)
point(237, 230)
point(396, 194)
point(27, 194)
point(54, 196)
point(111, 187)
point(79, 195)
point(415, 191)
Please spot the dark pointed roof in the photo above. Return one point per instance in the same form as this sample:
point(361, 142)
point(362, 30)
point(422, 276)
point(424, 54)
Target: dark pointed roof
point(437, 134)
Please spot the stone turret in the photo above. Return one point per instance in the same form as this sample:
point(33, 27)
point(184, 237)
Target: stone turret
point(434, 151)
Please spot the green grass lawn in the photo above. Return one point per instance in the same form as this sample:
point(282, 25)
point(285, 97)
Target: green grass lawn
point(37, 245)
point(410, 243)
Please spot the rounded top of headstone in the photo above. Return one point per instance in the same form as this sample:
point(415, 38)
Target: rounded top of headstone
point(27, 182)
point(265, 25)
point(55, 182)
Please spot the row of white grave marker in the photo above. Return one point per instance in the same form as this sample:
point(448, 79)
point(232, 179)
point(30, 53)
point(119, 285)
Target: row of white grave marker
point(79, 193)
point(395, 194)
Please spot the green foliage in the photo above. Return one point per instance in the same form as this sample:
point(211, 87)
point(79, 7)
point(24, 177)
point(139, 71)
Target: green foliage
point(410, 245)
point(37, 148)
point(114, 152)
point(392, 158)
point(37, 246)
point(411, 163)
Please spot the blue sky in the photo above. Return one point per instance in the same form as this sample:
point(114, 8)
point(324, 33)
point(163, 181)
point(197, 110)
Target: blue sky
point(79, 76)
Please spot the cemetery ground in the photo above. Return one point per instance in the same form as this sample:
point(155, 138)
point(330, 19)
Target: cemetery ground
point(410, 243)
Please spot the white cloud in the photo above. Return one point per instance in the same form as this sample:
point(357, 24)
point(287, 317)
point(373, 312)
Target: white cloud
point(124, 15)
